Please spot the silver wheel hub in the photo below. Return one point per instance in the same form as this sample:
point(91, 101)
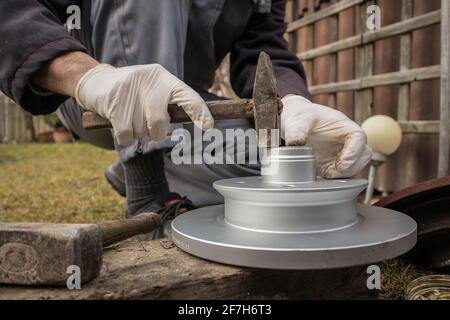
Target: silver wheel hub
point(289, 219)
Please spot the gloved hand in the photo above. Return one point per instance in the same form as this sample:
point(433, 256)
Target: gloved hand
point(135, 99)
point(339, 144)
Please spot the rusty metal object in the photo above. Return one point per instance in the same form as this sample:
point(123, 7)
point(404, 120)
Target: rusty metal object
point(428, 203)
point(267, 104)
point(436, 287)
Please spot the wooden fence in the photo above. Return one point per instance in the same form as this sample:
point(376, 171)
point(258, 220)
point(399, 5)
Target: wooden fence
point(327, 33)
point(17, 126)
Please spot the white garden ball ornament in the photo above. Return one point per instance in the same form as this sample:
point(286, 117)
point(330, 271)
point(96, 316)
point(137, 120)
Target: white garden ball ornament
point(384, 134)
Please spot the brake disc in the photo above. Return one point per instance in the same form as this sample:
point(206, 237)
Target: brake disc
point(290, 219)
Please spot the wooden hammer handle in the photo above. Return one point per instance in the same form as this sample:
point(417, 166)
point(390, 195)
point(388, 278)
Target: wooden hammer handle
point(118, 230)
point(220, 110)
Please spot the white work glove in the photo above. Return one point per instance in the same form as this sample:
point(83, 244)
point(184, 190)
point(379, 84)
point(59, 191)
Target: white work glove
point(339, 144)
point(135, 100)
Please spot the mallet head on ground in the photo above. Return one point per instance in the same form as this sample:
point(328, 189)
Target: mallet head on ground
point(41, 254)
point(34, 254)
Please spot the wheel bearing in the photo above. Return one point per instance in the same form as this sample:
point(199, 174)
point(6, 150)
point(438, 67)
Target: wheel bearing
point(289, 219)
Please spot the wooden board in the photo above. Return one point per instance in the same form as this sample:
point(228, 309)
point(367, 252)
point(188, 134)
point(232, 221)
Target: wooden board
point(157, 270)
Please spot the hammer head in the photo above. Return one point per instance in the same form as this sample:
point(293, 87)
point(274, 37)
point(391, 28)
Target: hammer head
point(39, 254)
point(267, 103)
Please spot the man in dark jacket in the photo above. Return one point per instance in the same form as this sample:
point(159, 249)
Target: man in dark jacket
point(126, 62)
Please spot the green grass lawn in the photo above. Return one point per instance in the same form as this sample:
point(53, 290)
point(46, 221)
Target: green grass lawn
point(56, 183)
point(65, 184)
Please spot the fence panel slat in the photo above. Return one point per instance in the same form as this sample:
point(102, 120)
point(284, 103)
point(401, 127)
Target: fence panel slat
point(362, 38)
point(392, 78)
point(322, 14)
point(18, 126)
point(405, 64)
point(444, 138)
point(332, 72)
point(364, 66)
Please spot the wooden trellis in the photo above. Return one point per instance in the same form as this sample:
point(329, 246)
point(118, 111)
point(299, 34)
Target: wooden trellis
point(364, 80)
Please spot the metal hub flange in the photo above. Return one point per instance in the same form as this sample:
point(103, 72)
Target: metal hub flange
point(289, 219)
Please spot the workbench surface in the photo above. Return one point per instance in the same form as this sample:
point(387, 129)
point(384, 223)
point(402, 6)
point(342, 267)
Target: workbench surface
point(158, 270)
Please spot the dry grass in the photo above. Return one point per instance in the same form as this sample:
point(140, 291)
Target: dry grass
point(56, 183)
point(65, 183)
point(395, 277)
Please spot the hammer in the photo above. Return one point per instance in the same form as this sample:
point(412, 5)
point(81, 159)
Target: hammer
point(40, 254)
point(265, 107)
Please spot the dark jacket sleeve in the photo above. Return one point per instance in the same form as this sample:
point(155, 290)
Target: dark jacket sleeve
point(31, 34)
point(265, 32)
